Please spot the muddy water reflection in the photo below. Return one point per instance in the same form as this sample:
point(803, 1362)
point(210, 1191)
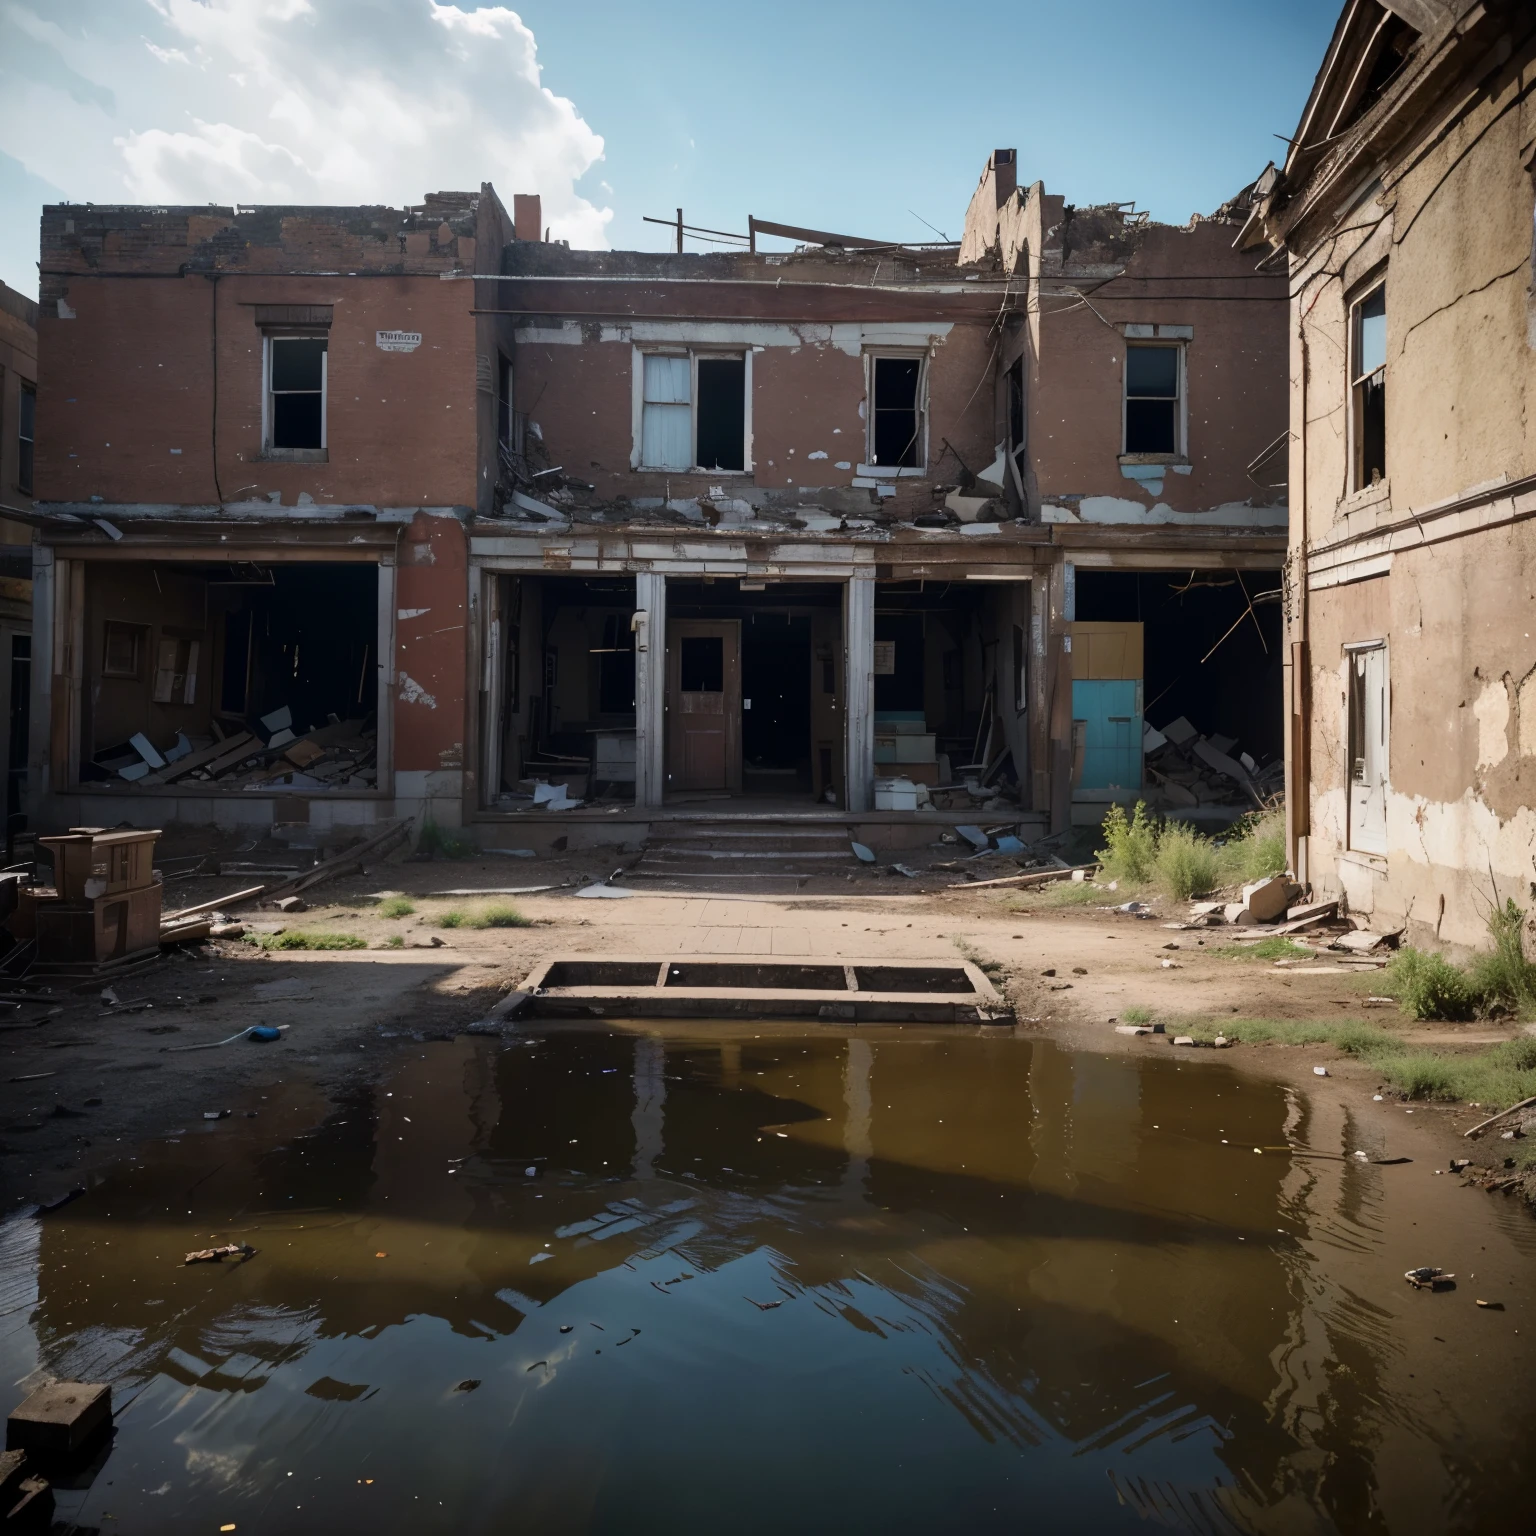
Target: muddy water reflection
point(894, 1282)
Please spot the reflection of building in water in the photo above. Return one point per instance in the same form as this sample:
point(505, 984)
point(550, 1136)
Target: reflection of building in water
point(649, 1118)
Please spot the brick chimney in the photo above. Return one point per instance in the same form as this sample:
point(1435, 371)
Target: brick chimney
point(528, 215)
point(1005, 173)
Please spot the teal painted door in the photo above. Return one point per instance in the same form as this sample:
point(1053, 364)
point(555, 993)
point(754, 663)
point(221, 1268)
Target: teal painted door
point(1111, 712)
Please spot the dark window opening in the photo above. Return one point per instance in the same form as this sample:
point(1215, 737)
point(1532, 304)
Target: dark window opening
point(1151, 400)
point(1368, 346)
point(1016, 413)
point(122, 649)
point(504, 401)
point(1395, 41)
point(701, 664)
point(26, 433)
point(897, 419)
point(722, 420)
point(298, 391)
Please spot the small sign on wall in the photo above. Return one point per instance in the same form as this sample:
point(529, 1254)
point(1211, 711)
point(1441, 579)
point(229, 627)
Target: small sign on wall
point(397, 341)
point(885, 658)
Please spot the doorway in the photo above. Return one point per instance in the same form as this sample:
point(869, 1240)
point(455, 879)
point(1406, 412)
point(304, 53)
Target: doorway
point(704, 705)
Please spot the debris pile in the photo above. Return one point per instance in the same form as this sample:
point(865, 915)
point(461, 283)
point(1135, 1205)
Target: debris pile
point(272, 754)
point(1190, 769)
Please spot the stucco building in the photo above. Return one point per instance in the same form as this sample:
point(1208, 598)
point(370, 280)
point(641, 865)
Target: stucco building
point(1404, 212)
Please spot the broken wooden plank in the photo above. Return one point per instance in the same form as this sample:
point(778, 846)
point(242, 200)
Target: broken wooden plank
point(1313, 911)
point(344, 862)
point(1030, 877)
point(209, 906)
point(234, 755)
point(1483, 1125)
point(199, 759)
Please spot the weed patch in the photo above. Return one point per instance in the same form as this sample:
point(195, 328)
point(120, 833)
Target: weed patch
point(1185, 863)
point(1428, 986)
point(493, 915)
point(1063, 893)
point(1255, 849)
point(310, 938)
point(1274, 948)
point(434, 843)
point(1130, 845)
point(396, 906)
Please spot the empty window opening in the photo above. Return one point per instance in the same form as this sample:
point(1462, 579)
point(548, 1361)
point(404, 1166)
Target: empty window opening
point(895, 429)
point(693, 412)
point(296, 374)
point(616, 667)
point(26, 435)
point(504, 401)
point(1152, 376)
point(229, 676)
point(1368, 387)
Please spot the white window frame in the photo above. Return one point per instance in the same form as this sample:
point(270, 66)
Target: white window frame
point(1180, 453)
point(299, 455)
point(915, 471)
point(1354, 839)
point(694, 354)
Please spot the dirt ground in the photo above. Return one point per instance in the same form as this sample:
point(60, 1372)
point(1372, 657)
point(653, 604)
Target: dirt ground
point(87, 1075)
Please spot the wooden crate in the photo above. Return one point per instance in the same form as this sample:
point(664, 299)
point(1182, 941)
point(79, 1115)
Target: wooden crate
point(106, 928)
point(89, 862)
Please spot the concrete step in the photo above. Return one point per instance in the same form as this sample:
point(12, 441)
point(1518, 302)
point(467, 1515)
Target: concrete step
point(671, 852)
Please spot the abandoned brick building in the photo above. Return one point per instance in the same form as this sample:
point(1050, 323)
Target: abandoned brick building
point(343, 513)
point(1404, 211)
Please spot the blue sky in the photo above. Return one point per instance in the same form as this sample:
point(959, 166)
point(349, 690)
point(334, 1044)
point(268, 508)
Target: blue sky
point(861, 118)
point(846, 116)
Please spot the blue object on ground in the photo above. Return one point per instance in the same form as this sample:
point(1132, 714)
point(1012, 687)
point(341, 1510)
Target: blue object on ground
point(264, 1032)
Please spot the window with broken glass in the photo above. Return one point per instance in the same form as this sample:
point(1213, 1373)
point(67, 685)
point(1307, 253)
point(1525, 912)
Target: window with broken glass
point(1153, 375)
point(1368, 387)
point(296, 383)
point(693, 411)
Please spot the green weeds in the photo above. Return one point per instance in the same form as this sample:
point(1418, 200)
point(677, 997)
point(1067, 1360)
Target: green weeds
point(1276, 947)
point(493, 915)
point(396, 906)
point(310, 938)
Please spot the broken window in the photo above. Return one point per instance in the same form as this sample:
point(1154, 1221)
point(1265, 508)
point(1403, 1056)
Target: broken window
point(122, 649)
point(1368, 747)
point(26, 431)
point(1368, 386)
point(694, 411)
point(702, 664)
point(895, 420)
point(1016, 416)
point(1152, 378)
point(296, 377)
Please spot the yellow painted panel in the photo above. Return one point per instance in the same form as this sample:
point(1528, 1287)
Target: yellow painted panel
point(1103, 650)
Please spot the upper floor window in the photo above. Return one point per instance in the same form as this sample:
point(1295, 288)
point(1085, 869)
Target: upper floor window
point(25, 433)
point(896, 436)
point(693, 411)
point(1368, 387)
point(504, 400)
point(1154, 394)
point(296, 389)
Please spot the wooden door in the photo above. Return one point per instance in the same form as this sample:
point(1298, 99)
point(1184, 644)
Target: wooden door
point(704, 704)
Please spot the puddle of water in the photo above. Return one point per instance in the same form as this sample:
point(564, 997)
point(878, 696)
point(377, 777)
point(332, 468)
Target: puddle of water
point(702, 1281)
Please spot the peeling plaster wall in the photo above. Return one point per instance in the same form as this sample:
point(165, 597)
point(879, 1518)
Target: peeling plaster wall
point(1448, 223)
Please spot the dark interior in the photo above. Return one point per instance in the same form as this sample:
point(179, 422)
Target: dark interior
point(1207, 657)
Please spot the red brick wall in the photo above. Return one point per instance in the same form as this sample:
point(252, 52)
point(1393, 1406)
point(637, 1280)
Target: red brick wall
point(126, 393)
point(430, 645)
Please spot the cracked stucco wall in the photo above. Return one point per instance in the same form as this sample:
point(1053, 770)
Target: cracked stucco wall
point(1450, 226)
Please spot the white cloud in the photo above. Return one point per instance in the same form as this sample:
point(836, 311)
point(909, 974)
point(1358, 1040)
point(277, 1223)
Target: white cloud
point(326, 101)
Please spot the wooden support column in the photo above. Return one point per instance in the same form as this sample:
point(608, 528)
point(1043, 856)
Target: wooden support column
point(859, 691)
point(650, 624)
